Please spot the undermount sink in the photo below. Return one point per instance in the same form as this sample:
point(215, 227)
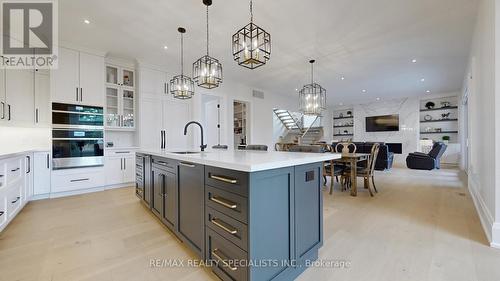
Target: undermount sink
point(186, 152)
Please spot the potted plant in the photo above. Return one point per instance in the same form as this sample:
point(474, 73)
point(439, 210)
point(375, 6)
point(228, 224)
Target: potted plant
point(446, 139)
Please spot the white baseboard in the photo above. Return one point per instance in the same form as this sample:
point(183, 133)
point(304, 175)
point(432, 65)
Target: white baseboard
point(485, 216)
point(88, 190)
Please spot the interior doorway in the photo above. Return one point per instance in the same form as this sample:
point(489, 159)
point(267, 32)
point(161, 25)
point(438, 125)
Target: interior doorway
point(241, 124)
point(212, 113)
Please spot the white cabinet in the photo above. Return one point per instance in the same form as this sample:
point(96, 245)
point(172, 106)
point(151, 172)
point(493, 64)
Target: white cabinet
point(91, 79)
point(120, 167)
point(20, 99)
point(42, 98)
point(76, 180)
point(120, 98)
point(16, 179)
point(41, 173)
point(151, 125)
point(2, 96)
point(152, 82)
point(78, 79)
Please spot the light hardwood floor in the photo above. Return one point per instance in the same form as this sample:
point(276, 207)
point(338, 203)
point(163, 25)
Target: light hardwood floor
point(420, 226)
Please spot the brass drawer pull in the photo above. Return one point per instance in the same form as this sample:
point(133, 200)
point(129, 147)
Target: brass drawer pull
point(187, 165)
point(229, 229)
point(224, 179)
point(224, 262)
point(224, 202)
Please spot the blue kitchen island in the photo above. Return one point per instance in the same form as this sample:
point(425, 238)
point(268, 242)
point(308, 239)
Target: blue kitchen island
point(251, 215)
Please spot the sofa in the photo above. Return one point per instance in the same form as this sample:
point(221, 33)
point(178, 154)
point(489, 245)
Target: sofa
point(385, 158)
point(429, 161)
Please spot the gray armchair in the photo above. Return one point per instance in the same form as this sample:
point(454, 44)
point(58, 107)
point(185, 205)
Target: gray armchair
point(429, 161)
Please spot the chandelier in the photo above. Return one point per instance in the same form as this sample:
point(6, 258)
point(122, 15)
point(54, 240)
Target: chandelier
point(312, 96)
point(251, 45)
point(181, 86)
point(207, 71)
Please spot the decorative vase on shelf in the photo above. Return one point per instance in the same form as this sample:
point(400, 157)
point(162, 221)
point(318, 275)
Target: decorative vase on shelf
point(430, 105)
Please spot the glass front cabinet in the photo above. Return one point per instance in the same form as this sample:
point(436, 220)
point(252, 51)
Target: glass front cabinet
point(120, 98)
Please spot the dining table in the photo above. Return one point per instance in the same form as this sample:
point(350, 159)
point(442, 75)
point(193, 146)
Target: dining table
point(353, 159)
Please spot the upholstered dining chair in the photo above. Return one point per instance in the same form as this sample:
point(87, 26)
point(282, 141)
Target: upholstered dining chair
point(367, 172)
point(259, 147)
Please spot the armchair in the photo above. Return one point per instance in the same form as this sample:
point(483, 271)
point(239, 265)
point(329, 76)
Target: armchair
point(429, 161)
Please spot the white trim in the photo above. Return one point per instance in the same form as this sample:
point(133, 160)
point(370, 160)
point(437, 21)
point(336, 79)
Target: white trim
point(484, 214)
point(88, 190)
point(495, 242)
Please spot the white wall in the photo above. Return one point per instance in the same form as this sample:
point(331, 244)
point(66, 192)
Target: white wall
point(408, 134)
point(260, 117)
point(17, 139)
point(484, 116)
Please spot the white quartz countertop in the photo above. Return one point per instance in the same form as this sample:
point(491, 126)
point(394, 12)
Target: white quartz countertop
point(15, 153)
point(246, 161)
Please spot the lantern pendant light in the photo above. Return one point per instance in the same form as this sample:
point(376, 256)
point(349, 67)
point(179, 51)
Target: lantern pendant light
point(207, 71)
point(312, 97)
point(251, 45)
point(182, 86)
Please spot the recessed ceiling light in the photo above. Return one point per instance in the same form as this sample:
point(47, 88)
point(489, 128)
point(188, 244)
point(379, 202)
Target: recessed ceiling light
point(165, 47)
point(428, 91)
point(342, 77)
point(341, 103)
point(378, 98)
point(86, 21)
point(422, 80)
point(296, 90)
point(364, 91)
point(414, 60)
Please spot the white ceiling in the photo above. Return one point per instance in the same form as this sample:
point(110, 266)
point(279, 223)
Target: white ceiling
point(370, 42)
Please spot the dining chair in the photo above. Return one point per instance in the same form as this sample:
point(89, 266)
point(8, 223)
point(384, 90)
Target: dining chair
point(367, 172)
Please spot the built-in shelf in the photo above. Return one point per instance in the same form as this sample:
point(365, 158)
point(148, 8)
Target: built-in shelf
point(346, 117)
point(346, 126)
point(343, 135)
point(443, 132)
point(439, 108)
point(439, 120)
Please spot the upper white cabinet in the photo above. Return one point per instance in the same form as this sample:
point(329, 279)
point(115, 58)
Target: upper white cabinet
point(19, 97)
point(2, 96)
point(42, 98)
point(120, 98)
point(153, 82)
point(78, 79)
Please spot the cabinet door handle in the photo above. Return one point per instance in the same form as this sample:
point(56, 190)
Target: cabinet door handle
point(48, 161)
point(15, 201)
point(1, 176)
point(224, 179)
point(29, 164)
point(77, 98)
point(36, 115)
point(162, 163)
point(122, 152)
point(77, 180)
point(124, 163)
point(224, 202)
point(81, 94)
point(189, 165)
point(1, 213)
point(3, 110)
point(15, 170)
point(121, 164)
point(226, 227)
point(218, 255)
point(8, 109)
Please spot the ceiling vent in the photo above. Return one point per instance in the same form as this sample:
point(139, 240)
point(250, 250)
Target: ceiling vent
point(258, 94)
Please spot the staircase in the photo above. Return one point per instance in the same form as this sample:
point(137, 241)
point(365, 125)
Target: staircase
point(287, 119)
point(295, 130)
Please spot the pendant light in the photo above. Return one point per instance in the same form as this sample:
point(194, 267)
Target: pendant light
point(312, 96)
point(251, 45)
point(207, 71)
point(181, 86)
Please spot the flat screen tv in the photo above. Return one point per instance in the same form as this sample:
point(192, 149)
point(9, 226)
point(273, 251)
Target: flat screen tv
point(384, 123)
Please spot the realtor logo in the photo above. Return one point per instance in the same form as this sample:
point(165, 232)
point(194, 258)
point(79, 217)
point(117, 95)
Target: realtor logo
point(29, 31)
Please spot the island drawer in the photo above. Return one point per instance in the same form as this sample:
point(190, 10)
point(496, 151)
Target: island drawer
point(228, 203)
point(230, 180)
point(227, 227)
point(166, 164)
point(227, 259)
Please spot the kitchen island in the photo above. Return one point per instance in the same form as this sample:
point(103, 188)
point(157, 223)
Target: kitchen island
point(250, 215)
